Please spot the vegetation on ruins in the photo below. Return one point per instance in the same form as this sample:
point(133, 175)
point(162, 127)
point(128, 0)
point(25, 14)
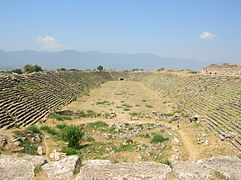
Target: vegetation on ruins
point(73, 135)
point(32, 68)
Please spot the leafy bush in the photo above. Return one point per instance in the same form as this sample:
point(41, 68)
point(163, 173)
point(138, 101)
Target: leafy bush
point(33, 128)
point(32, 68)
point(49, 130)
point(73, 135)
point(69, 150)
point(158, 138)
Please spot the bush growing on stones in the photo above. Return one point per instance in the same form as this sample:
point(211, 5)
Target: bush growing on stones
point(73, 135)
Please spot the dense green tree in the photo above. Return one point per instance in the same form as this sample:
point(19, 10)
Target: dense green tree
point(32, 68)
point(73, 135)
point(100, 68)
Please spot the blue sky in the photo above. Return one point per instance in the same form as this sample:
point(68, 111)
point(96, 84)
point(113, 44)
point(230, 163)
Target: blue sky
point(203, 30)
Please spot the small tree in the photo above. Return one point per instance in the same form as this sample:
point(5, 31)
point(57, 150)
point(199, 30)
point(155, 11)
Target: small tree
point(37, 68)
point(100, 68)
point(73, 135)
point(30, 68)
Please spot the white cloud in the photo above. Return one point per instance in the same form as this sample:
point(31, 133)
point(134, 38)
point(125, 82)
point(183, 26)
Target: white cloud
point(48, 42)
point(206, 35)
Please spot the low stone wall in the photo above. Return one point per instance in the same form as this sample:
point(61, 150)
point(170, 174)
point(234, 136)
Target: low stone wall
point(222, 69)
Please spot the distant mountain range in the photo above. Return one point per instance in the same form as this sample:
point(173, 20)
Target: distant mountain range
point(91, 59)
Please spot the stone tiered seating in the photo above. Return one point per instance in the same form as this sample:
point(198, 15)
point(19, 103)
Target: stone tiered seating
point(218, 98)
point(25, 99)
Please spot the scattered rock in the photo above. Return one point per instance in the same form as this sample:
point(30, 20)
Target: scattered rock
point(36, 138)
point(3, 142)
point(57, 155)
point(190, 170)
point(105, 170)
point(61, 169)
point(18, 149)
point(228, 135)
point(194, 118)
point(40, 150)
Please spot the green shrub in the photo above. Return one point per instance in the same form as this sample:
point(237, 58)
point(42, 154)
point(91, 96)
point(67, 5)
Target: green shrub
point(158, 138)
point(49, 130)
point(69, 151)
point(149, 106)
point(33, 128)
point(73, 135)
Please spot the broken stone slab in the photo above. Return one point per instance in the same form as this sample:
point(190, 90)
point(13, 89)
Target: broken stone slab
point(105, 170)
point(61, 169)
point(191, 170)
point(17, 168)
point(228, 134)
point(36, 160)
point(229, 166)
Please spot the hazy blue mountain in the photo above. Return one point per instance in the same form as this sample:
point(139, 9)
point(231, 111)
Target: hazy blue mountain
point(91, 59)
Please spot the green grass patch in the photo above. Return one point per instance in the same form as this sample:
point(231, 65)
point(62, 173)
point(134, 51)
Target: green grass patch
point(33, 128)
point(158, 138)
point(49, 130)
point(29, 147)
point(60, 117)
point(61, 126)
point(103, 102)
point(168, 114)
point(69, 151)
point(97, 124)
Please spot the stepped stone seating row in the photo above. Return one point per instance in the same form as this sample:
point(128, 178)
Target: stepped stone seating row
point(25, 99)
point(218, 98)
